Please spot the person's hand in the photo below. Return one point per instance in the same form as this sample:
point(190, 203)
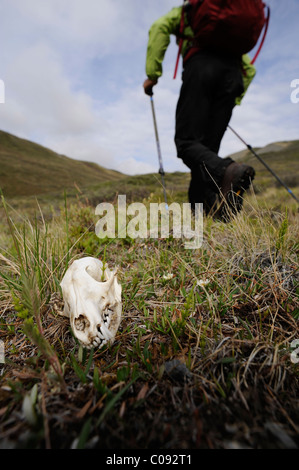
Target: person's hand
point(148, 86)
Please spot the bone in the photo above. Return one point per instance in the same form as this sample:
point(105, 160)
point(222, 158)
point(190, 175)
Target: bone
point(92, 301)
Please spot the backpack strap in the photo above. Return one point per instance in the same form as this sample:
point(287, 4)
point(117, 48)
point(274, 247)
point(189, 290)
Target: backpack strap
point(181, 36)
point(264, 35)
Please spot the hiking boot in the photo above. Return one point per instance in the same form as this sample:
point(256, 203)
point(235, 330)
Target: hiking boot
point(237, 178)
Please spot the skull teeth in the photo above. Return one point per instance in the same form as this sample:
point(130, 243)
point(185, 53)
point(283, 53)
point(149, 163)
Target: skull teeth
point(107, 317)
point(101, 338)
point(98, 342)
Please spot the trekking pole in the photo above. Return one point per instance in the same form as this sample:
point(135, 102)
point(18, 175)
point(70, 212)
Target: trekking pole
point(265, 164)
point(161, 169)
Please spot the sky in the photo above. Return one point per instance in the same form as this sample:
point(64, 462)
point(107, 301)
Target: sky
point(73, 72)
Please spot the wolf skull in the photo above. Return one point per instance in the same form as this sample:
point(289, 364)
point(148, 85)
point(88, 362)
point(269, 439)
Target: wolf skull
point(92, 301)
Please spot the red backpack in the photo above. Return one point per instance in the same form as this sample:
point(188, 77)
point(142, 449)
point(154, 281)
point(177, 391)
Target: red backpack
point(229, 26)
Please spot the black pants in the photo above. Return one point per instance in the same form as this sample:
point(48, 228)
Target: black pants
point(210, 86)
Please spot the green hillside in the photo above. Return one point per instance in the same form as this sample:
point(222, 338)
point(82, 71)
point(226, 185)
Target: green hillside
point(27, 169)
point(282, 158)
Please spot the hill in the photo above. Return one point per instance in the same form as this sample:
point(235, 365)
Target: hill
point(283, 159)
point(27, 169)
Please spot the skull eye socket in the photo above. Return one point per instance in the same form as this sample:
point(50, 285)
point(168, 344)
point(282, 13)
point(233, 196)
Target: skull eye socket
point(81, 323)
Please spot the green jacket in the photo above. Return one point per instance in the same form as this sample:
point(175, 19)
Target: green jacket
point(159, 39)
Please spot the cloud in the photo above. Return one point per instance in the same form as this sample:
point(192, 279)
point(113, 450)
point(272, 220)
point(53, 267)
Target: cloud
point(127, 141)
point(131, 166)
point(37, 84)
point(49, 76)
point(96, 27)
point(73, 72)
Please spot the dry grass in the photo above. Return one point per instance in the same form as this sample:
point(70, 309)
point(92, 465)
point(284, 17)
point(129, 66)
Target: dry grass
point(202, 358)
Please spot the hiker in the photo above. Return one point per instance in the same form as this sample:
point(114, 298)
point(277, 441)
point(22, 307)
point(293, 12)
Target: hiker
point(214, 81)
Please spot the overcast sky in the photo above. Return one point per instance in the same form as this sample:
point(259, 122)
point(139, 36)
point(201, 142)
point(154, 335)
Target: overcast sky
point(73, 73)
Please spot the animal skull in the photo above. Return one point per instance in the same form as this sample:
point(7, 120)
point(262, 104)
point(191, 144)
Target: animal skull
point(93, 305)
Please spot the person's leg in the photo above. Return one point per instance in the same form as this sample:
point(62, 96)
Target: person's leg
point(237, 177)
point(193, 118)
point(198, 192)
point(210, 86)
point(193, 106)
point(230, 85)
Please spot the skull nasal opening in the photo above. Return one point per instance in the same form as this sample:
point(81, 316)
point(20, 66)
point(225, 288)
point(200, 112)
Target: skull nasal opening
point(81, 323)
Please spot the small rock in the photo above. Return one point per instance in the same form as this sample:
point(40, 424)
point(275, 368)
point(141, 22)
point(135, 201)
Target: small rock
point(177, 370)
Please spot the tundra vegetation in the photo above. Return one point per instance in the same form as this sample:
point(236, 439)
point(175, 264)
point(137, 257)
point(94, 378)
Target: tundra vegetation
point(204, 356)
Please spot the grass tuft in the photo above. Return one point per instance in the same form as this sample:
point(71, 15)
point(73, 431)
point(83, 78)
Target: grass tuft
point(203, 354)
